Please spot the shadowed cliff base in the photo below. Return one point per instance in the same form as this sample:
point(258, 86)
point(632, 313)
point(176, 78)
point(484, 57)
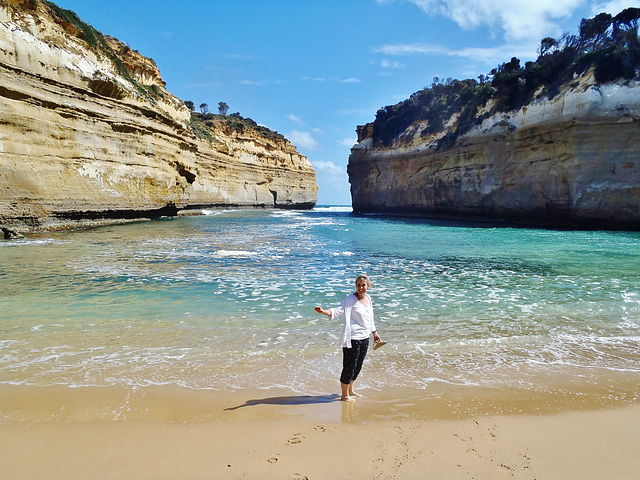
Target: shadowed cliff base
point(14, 227)
point(167, 211)
point(467, 219)
point(69, 220)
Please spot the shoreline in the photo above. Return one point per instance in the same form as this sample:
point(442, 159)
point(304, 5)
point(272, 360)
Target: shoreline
point(25, 404)
point(59, 433)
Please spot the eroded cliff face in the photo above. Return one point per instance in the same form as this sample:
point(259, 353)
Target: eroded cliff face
point(569, 161)
point(264, 171)
point(89, 132)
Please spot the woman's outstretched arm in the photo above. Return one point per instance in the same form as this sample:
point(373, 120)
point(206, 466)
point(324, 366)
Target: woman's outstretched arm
point(323, 311)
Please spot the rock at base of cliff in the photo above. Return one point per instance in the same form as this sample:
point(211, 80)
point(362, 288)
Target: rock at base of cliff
point(10, 234)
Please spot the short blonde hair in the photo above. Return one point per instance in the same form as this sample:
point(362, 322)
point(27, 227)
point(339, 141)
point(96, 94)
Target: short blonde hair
point(365, 278)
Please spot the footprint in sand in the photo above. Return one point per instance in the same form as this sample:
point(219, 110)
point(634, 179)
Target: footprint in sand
point(297, 438)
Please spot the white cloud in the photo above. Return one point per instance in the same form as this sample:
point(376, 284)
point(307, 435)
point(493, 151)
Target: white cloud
point(338, 80)
point(252, 82)
point(390, 64)
point(348, 142)
point(303, 139)
point(485, 55)
point(522, 22)
point(613, 7)
point(328, 168)
point(519, 20)
point(295, 118)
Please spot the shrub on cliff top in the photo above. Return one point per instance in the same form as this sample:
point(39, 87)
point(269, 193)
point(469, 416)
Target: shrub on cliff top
point(89, 34)
point(203, 125)
point(609, 45)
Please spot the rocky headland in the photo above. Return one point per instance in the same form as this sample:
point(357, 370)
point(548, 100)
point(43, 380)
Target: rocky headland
point(556, 143)
point(89, 134)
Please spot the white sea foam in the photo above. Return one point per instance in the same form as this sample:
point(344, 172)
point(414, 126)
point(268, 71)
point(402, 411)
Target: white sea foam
point(286, 213)
point(235, 253)
point(347, 254)
point(32, 242)
point(333, 209)
point(221, 211)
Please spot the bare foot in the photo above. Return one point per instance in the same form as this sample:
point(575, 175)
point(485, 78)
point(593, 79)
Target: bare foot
point(348, 399)
point(354, 394)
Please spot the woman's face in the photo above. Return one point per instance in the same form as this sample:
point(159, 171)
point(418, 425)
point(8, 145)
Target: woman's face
point(361, 287)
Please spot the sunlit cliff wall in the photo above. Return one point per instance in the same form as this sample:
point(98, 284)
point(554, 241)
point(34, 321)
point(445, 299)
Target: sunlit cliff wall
point(89, 132)
point(573, 160)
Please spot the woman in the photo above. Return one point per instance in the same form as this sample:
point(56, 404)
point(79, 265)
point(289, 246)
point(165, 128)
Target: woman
point(358, 324)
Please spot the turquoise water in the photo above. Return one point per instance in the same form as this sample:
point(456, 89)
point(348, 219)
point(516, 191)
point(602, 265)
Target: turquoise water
point(225, 301)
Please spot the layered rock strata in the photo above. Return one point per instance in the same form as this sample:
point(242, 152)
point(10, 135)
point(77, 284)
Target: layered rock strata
point(570, 161)
point(90, 133)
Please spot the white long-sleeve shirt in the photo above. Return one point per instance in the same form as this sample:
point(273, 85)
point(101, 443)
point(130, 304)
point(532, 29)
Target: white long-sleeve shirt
point(357, 325)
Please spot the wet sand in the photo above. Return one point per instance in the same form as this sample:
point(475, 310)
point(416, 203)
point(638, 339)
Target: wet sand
point(61, 433)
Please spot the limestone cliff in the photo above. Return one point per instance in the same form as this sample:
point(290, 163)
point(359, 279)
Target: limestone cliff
point(88, 131)
point(554, 143)
point(572, 161)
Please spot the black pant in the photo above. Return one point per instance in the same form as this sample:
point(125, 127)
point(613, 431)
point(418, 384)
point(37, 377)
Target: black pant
point(352, 360)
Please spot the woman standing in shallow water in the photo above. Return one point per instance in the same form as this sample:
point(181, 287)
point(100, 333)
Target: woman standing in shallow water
point(358, 325)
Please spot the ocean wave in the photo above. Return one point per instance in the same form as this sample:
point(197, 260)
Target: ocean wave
point(235, 253)
point(286, 213)
point(334, 209)
point(21, 242)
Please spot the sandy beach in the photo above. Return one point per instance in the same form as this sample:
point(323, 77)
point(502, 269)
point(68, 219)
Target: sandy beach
point(107, 434)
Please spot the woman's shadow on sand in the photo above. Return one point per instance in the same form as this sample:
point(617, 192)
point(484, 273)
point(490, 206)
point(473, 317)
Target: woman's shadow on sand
point(290, 400)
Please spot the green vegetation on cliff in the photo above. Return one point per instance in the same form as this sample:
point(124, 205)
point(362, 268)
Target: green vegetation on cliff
point(608, 45)
point(204, 124)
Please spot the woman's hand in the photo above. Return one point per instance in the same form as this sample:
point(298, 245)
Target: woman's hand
point(376, 337)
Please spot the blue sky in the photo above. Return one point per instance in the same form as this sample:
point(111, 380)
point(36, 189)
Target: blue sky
point(314, 70)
